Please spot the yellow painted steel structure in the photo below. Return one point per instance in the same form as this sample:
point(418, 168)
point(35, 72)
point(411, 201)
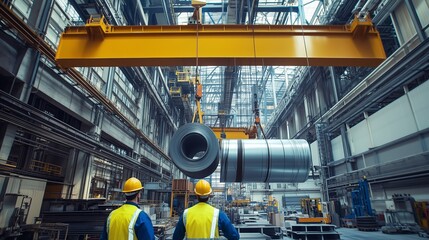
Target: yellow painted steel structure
point(99, 44)
point(231, 133)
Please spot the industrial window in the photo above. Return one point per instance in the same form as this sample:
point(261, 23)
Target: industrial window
point(22, 8)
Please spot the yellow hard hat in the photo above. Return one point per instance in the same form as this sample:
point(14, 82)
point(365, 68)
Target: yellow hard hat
point(132, 185)
point(202, 188)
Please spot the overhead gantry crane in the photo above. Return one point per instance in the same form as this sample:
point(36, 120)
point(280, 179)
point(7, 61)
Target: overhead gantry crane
point(100, 44)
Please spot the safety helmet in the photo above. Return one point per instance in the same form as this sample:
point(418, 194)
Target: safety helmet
point(202, 188)
point(132, 185)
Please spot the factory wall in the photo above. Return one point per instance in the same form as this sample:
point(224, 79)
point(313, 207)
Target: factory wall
point(384, 139)
point(130, 91)
point(63, 95)
point(337, 148)
point(315, 158)
point(406, 115)
point(389, 144)
point(118, 132)
point(9, 55)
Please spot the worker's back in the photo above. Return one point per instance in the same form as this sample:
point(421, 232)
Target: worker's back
point(119, 222)
point(201, 221)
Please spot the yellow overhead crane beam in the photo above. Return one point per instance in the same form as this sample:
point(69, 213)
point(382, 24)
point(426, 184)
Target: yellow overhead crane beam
point(231, 133)
point(99, 44)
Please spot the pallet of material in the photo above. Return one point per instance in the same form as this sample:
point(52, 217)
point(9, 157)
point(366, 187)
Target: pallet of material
point(182, 185)
point(348, 223)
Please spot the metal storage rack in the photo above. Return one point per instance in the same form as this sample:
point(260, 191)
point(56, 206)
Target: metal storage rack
point(313, 232)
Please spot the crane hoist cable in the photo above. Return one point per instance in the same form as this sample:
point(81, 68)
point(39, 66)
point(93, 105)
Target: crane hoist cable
point(257, 120)
point(198, 85)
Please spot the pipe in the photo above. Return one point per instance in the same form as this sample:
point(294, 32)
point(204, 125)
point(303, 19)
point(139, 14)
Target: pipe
point(368, 7)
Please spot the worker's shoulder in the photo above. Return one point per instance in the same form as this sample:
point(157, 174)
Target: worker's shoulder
point(144, 216)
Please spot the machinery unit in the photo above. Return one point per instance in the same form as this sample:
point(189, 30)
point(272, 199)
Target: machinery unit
point(14, 210)
point(422, 217)
point(316, 210)
point(402, 218)
point(361, 200)
point(181, 191)
point(363, 212)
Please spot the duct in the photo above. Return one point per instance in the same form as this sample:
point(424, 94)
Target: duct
point(369, 6)
point(259, 160)
point(363, 7)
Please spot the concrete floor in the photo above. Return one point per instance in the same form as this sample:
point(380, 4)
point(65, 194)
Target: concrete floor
point(349, 234)
point(354, 234)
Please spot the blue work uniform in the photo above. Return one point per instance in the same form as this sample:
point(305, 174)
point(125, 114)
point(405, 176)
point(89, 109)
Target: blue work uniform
point(199, 222)
point(128, 222)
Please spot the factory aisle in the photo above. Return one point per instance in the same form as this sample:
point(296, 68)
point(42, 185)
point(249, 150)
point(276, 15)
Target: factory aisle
point(354, 234)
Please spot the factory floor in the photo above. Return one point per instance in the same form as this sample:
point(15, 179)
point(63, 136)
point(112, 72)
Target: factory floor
point(345, 233)
point(354, 234)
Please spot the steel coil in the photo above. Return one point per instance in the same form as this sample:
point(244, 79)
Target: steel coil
point(194, 149)
point(272, 160)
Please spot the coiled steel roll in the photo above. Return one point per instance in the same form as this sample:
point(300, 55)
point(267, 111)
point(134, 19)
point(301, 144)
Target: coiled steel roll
point(194, 149)
point(258, 160)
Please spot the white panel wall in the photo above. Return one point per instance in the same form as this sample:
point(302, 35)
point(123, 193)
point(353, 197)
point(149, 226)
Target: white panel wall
point(315, 154)
point(337, 148)
point(403, 24)
point(36, 190)
point(422, 9)
point(394, 121)
point(359, 138)
point(420, 103)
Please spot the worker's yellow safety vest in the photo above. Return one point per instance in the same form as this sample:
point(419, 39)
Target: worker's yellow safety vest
point(120, 223)
point(201, 222)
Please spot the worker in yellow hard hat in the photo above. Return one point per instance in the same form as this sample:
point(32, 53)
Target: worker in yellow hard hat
point(202, 221)
point(129, 221)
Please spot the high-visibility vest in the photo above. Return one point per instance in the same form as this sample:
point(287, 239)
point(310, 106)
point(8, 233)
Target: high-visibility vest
point(120, 223)
point(201, 222)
